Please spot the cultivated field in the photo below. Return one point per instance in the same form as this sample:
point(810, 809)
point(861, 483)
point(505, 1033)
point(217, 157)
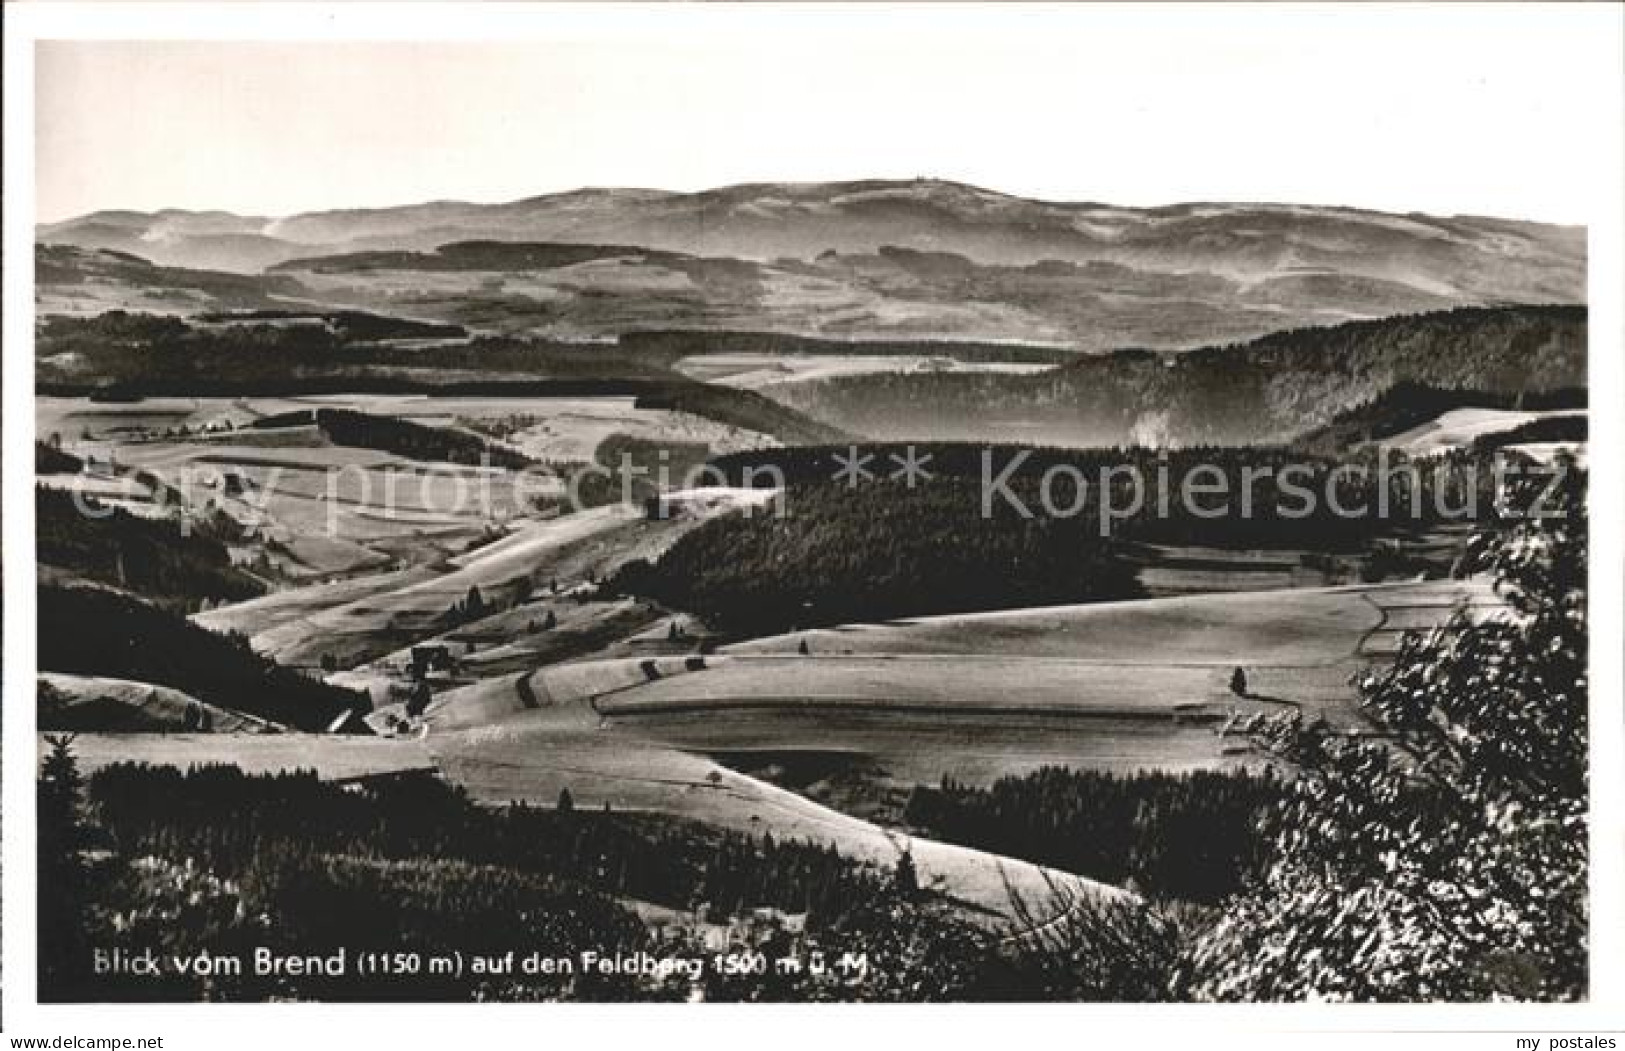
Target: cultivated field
point(974, 697)
point(760, 371)
point(1297, 627)
point(1461, 427)
point(554, 685)
point(319, 511)
point(541, 566)
point(979, 696)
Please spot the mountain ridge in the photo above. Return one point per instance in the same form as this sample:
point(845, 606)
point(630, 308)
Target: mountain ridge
point(938, 191)
point(922, 259)
point(847, 186)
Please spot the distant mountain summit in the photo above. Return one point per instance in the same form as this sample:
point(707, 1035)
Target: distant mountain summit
point(923, 258)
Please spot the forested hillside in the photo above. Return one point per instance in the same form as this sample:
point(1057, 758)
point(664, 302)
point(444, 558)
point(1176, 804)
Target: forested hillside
point(93, 630)
point(1268, 390)
point(1005, 526)
point(126, 356)
point(214, 859)
point(882, 551)
point(1194, 837)
point(1411, 404)
point(150, 556)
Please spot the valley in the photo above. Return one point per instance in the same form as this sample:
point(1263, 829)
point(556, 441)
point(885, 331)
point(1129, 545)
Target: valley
point(551, 679)
point(666, 517)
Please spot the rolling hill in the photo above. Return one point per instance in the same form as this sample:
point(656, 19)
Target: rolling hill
point(1267, 390)
point(82, 281)
point(96, 631)
point(923, 259)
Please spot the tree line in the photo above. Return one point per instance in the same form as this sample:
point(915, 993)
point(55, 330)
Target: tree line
point(216, 860)
point(1062, 526)
point(1194, 837)
point(415, 441)
point(92, 630)
point(884, 550)
point(177, 569)
point(1267, 390)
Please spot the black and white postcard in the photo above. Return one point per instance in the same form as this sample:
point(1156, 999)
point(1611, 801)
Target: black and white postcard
point(813, 505)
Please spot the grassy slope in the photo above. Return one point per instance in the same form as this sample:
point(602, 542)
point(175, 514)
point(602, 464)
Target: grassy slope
point(578, 726)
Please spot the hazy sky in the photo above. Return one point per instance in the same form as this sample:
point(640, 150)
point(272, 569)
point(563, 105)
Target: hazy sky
point(1405, 109)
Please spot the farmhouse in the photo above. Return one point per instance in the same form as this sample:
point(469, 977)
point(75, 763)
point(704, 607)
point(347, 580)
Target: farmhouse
point(428, 659)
